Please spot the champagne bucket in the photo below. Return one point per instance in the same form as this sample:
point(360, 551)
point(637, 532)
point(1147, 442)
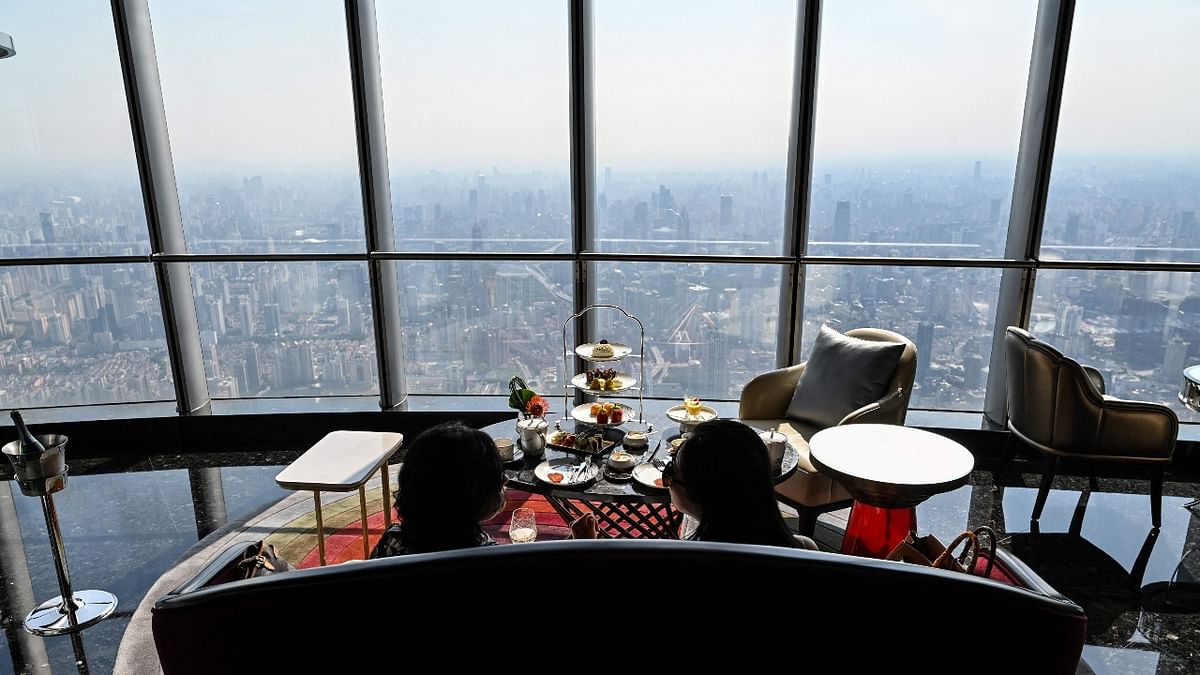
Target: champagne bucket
point(39, 473)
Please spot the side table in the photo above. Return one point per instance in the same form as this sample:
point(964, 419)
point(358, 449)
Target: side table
point(888, 469)
point(340, 462)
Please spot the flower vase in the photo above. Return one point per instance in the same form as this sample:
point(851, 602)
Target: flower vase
point(533, 435)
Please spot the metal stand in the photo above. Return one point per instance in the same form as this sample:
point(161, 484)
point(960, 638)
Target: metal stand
point(641, 356)
point(69, 612)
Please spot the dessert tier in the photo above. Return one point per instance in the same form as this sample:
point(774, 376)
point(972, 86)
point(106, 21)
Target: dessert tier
point(600, 352)
point(603, 380)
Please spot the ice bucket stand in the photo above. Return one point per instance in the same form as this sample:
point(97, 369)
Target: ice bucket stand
point(41, 475)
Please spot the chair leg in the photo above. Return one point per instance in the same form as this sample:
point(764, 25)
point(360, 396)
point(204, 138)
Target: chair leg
point(1044, 490)
point(1156, 487)
point(806, 521)
point(1009, 448)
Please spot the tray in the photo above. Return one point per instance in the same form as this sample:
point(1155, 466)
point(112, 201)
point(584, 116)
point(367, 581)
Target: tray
point(605, 445)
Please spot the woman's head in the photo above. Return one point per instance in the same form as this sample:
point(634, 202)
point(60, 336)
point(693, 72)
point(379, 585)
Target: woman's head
point(451, 479)
point(723, 478)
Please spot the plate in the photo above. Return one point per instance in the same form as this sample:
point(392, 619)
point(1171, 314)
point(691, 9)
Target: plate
point(646, 474)
point(625, 380)
point(678, 414)
point(620, 351)
point(583, 413)
point(605, 445)
point(565, 466)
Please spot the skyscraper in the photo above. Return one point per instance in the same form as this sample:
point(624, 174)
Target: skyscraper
point(841, 222)
point(924, 349)
point(726, 212)
point(47, 219)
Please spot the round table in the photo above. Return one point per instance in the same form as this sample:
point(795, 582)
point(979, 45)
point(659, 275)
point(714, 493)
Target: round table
point(622, 508)
point(888, 469)
point(1189, 394)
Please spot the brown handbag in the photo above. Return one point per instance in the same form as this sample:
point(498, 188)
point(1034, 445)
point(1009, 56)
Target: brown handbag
point(930, 552)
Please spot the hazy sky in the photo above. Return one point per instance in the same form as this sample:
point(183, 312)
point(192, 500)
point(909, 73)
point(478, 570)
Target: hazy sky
point(263, 85)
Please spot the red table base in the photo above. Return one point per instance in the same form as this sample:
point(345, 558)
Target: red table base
point(874, 531)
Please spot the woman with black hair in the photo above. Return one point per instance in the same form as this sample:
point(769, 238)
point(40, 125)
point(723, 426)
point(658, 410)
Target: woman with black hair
point(721, 477)
point(451, 480)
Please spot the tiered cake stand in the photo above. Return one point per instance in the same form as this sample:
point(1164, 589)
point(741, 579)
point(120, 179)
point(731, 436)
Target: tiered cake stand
point(624, 381)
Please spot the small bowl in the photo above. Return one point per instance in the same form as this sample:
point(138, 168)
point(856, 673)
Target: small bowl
point(621, 461)
point(675, 443)
point(635, 439)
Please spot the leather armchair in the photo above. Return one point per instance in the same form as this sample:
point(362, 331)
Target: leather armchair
point(764, 403)
point(1059, 407)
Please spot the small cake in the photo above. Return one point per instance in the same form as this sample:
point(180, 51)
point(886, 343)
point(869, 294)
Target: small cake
point(602, 350)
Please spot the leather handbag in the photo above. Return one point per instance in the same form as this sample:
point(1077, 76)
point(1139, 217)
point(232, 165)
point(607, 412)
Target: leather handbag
point(930, 552)
point(242, 561)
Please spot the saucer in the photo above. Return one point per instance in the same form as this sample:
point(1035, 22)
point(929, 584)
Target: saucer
point(617, 476)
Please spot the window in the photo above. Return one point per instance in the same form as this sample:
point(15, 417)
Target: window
point(286, 329)
point(692, 106)
point(948, 313)
point(919, 109)
point(1140, 329)
point(261, 124)
point(710, 328)
point(476, 101)
point(1126, 177)
point(470, 326)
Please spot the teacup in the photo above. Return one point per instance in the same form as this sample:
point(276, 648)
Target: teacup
point(776, 442)
point(635, 439)
point(505, 447)
point(621, 461)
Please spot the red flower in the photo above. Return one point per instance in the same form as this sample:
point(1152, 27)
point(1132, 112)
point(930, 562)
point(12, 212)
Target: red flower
point(537, 407)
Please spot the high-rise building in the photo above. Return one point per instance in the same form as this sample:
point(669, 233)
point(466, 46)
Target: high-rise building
point(726, 212)
point(1176, 357)
point(47, 219)
point(924, 348)
point(994, 212)
point(841, 222)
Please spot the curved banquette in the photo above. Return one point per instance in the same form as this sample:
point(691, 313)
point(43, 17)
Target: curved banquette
point(643, 604)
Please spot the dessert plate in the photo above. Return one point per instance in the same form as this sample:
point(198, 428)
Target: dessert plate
point(620, 351)
point(624, 381)
point(583, 413)
point(649, 475)
point(563, 472)
point(679, 414)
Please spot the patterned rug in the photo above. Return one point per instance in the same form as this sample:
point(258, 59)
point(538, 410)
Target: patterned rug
point(296, 539)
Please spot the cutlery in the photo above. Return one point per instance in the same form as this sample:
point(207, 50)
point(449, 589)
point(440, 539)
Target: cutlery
point(580, 469)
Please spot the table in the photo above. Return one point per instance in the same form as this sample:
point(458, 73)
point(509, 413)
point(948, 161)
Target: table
point(343, 461)
point(888, 469)
point(1189, 394)
point(622, 508)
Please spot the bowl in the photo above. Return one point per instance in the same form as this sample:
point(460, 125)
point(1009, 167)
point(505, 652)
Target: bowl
point(621, 461)
point(635, 439)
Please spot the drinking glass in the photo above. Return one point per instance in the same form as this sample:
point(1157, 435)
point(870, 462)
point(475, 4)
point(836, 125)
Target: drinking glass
point(524, 526)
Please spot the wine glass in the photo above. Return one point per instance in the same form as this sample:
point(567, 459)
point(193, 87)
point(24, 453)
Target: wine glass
point(691, 405)
point(524, 526)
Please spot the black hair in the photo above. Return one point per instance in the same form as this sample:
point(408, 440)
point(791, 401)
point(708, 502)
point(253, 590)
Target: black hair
point(725, 470)
point(451, 479)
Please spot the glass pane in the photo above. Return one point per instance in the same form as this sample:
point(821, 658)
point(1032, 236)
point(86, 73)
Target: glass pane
point(1126, 177)
point(476, 97)
point(709, 327)
point(68, 177)
point(919, 111)
point(261, 117)
point(471, 326)
point(949, 313)
point(286, 329)
point(1139, 329)
point(692, 117)
point(81, 334)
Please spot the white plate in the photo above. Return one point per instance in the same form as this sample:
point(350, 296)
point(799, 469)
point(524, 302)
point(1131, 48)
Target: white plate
point(566, 466)
point(620, 351)
point(624, 379)
point(646, 474)
point(678, 414)
point(583, 413)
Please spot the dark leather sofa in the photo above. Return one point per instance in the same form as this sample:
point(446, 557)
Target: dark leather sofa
point(626, 603)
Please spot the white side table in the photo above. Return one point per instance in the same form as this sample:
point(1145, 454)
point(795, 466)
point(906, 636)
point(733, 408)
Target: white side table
point(340, 462)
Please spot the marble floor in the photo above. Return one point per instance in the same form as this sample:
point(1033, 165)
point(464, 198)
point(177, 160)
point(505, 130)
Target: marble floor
point(125, 522)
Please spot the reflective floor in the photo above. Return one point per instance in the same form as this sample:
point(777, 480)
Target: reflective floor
point(125, 523)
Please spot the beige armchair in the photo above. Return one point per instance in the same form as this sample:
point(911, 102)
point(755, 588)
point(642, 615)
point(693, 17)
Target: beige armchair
point(1059, 407)
point(764, 403)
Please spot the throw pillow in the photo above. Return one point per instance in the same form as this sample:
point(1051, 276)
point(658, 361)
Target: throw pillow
point(843, 374)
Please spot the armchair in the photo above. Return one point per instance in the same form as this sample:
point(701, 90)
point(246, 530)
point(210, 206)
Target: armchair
point(764, 404)
point(1059, 407)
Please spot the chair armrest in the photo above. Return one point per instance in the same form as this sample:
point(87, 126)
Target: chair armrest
point(1096, 378)
point(1136, 430)
point(767, 396)
point(886, 410)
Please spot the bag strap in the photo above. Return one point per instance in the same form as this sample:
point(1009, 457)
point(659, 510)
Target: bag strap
point(990, 549)
point(966, 559)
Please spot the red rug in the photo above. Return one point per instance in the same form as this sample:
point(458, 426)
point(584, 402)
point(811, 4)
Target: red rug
point(346, 543)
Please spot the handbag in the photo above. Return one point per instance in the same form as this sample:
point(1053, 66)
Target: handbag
point(930, 552)
point(244, 561)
